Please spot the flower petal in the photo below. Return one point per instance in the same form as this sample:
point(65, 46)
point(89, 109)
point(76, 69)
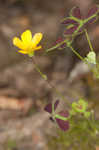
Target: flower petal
point(37, 38)
point(64, 125)
point(26, 36)
point(23, 51)
point(38, 47)
point(17, 42)
point(76, 12)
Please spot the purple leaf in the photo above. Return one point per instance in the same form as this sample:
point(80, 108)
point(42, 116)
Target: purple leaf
point(91, 20)
point(69, 21)
point(63, 46)
point(64, 125)
point(76, 12)
point(92, 11)
point(56, 104)
point(71, 30)
point(48, 107)
point(59, 40)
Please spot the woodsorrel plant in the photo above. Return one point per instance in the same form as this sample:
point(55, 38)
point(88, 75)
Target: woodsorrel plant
point(78, 126)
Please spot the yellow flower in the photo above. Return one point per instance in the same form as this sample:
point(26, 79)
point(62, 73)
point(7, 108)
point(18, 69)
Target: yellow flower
point(28, 44)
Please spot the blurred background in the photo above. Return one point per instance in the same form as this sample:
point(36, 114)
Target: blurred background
point(23, 93)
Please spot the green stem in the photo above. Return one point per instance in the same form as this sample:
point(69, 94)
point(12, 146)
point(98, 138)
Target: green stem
point(88, 39)
point(38, 70)
point(56, 46)
point(53, 109)
point(93, 117)
point(50, 85)
point(61, 117)
point(91, 125)
point(77, 54)
point(52, 48)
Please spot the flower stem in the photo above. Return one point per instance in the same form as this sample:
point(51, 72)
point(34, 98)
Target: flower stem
point(45, 78)
point(38, 70)
point(88, 39)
